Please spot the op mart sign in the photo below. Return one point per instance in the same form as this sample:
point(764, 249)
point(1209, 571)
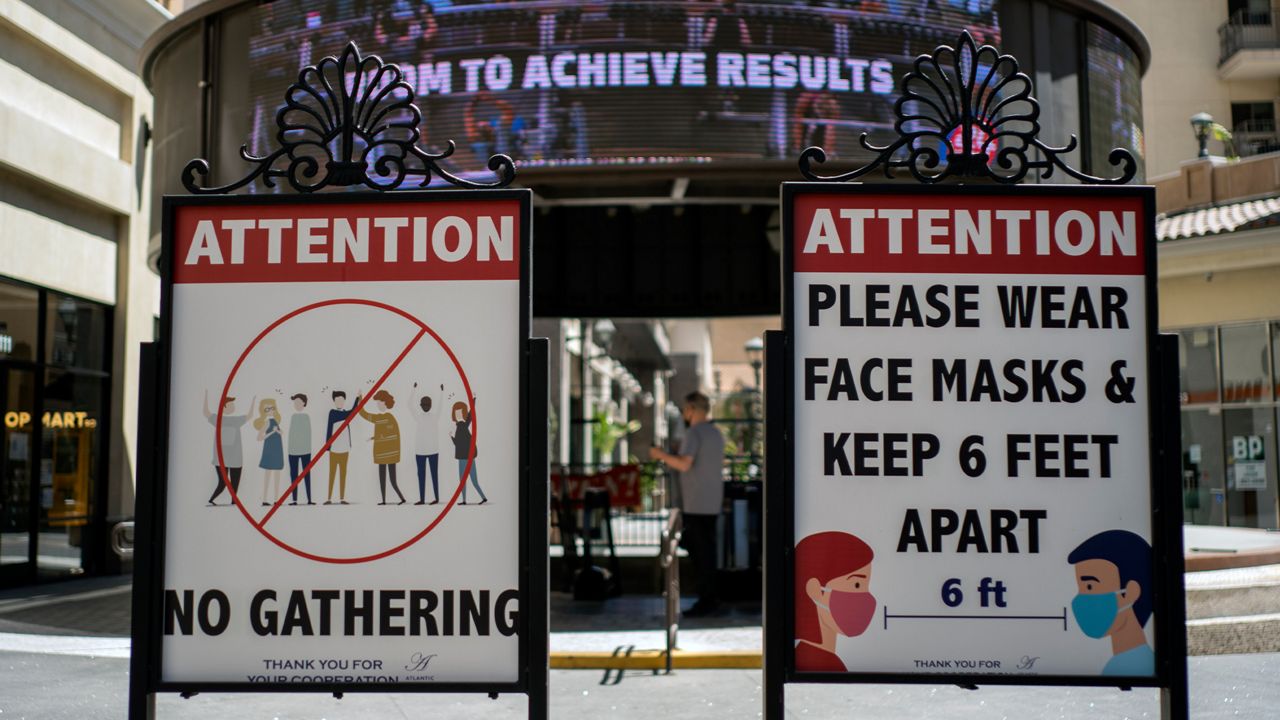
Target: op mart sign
point(971, 457)
point(342, 488)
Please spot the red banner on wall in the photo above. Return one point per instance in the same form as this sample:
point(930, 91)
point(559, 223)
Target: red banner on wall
point(622, 482)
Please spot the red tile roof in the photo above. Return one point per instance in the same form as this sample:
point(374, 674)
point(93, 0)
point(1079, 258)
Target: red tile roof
point(1221, 219)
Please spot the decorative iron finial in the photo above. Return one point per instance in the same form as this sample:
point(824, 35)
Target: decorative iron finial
point(348, 121)
point(977, 104)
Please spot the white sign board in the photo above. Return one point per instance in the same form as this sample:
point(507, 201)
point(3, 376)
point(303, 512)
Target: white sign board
point(972, 459)
point(342, 484)
point(1249, 468)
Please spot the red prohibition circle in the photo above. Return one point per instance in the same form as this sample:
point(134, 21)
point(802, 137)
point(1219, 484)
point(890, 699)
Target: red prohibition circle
point(260, 526)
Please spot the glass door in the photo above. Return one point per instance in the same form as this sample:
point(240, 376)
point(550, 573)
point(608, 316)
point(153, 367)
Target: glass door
point(1250, 436)
point(17, 471)
point(70, 455)
point(54, 383)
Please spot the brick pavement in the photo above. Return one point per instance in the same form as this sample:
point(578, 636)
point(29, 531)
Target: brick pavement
point(90, 607)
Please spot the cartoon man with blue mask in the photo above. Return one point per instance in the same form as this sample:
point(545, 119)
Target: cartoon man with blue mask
point(1113, 583)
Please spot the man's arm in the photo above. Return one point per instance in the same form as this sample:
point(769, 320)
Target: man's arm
point(682, 461)
point(679, 462)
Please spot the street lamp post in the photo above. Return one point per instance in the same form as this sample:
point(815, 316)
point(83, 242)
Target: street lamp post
point(1202, 125)
point(755, 355)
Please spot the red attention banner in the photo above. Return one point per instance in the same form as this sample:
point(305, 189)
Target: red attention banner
point(1062, 235)
point(340, 242)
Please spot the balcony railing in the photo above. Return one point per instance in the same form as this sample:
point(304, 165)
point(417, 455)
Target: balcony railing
point(1255, 137)
point(1246, 30)
point(1256, 125)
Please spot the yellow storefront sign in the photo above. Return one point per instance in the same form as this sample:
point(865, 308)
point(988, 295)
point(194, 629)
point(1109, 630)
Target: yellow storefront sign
point(64, 419)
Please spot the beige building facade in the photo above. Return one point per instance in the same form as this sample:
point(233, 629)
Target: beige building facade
point(1219, 281)
point(1221, 57)
point(76, 294)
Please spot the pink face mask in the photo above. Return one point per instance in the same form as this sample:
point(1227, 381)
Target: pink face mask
point(852, 611)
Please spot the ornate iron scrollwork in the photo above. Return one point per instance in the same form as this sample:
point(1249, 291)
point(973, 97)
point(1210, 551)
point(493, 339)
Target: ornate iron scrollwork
point(976, 104)
point(348, 120)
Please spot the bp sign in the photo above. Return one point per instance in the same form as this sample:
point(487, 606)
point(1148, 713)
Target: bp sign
point(1248, 462)
point(970, 475)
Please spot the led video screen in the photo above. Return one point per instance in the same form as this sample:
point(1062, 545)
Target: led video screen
point(558, 83)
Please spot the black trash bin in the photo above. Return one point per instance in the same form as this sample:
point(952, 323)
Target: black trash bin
point(741, 526)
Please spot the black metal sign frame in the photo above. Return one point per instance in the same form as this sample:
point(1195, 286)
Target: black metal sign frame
point(153, 477)
point(332, 119)
point(1170, 642)
point(976, 102)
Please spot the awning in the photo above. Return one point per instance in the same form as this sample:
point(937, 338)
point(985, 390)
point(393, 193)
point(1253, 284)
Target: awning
point(1221, 219)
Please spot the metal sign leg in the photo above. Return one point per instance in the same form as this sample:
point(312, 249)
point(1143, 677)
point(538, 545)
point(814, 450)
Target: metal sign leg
point(538, 581)
point(142, 699)
point(1174, 697)
point(776, 542)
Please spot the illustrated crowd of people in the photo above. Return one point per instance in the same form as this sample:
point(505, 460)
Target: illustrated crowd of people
point(291, 442)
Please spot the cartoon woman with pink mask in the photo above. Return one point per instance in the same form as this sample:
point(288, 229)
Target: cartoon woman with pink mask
point(833, 597)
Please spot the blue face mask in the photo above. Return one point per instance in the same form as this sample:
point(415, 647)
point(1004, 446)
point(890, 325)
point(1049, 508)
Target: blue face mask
point(1096, 613)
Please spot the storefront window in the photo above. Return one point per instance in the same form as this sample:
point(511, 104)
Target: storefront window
point(76, 334)
point(73, 405)
point(1204, 487)
point(1198, 365)
point(1229, 453)
point(54, 393)
point(1250, 442)
point(1246, 364)
point(17, 398)
point(19, 322)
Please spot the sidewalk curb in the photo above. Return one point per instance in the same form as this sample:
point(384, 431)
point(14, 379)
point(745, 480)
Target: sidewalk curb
point(20, 605)
point(656, 660)
point(1197, 562)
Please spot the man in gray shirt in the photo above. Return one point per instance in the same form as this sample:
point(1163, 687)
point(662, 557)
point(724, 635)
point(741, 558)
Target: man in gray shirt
point(701, 466)
point(299, 446)
point(232, 448)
